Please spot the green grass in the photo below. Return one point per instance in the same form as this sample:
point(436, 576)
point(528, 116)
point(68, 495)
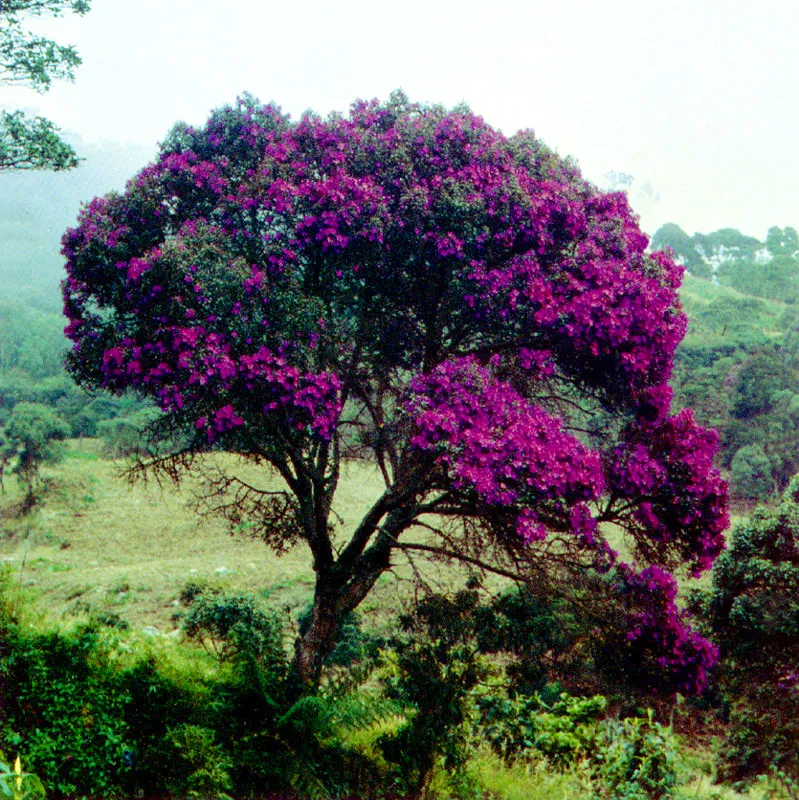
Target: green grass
point(93, 532)
point(721, 316)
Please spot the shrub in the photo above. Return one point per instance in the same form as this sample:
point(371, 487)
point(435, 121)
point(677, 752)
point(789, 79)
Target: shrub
point(436, 664)
point(202, 765)
point(126, 436)
point(233, 626)
point(65, 712)
point(636, 759)
point(752, 610)
point(539, 630)
point(564, 731)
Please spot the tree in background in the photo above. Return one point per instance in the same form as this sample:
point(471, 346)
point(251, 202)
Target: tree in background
point(34, 62)
point(750, 473)
point(782, 241)
point(34, 432)
point(673, 236)
point(406, 285)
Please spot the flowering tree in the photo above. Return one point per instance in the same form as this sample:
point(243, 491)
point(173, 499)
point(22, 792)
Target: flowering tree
point(405, 285)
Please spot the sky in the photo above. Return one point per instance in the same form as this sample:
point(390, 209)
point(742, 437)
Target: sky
point(696, 100)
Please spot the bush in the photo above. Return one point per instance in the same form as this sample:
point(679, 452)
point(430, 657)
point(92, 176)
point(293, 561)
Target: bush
point(752, 610)
point(93, 728)
point(201, 765)
point(564, 731)
point(436, 664)
point(539, 630)
point(126, 436)
point(636, 759)
point(65, 712)
point(233, 626)
point(630, 759)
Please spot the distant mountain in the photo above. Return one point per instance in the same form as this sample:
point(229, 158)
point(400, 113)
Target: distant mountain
point(37, 207)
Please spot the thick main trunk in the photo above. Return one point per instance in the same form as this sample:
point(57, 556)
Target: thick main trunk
point(342, 584)
point(334, 598)
point(318, 641)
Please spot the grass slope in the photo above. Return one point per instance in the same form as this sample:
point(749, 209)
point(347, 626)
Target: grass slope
point(97, 543)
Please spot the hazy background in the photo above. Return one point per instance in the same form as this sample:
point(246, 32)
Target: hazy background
point(693, 102)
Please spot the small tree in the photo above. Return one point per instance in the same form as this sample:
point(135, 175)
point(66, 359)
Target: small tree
point(750, 473)
point(34, 432)
point(409, 286)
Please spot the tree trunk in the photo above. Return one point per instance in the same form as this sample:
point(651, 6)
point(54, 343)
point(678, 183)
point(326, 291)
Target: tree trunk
point(318, 641)
point(341, 586)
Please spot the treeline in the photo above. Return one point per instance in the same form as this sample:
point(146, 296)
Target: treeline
point(738, 367)
point(768, 269)
point(32, 349)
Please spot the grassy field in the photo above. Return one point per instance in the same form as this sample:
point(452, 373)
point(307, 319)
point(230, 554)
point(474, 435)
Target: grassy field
point(97, 542)
point(722, 316)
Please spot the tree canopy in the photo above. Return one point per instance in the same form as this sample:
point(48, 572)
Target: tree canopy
point(409, 286)
point(34, 61)
point(33, 433)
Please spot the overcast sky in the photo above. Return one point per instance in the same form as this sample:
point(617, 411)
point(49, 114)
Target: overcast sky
point(698, 98)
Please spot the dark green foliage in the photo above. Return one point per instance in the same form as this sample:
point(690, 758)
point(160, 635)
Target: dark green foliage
point(200, 767)
point(233, 626)
point(32, 143)
point(564, 729)
point(27, 59)
point(738, 370)
point(64, 711)
point(540, 631)
point(633, 758)
point(765, 411)
point(92, 728)
point(276, 737)
point(757, 384)
point(437, 665)
point(750, 473)
point(353, 644)
point(752, 611)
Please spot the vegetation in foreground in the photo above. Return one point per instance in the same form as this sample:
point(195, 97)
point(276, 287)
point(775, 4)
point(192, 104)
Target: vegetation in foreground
point(470, 693)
